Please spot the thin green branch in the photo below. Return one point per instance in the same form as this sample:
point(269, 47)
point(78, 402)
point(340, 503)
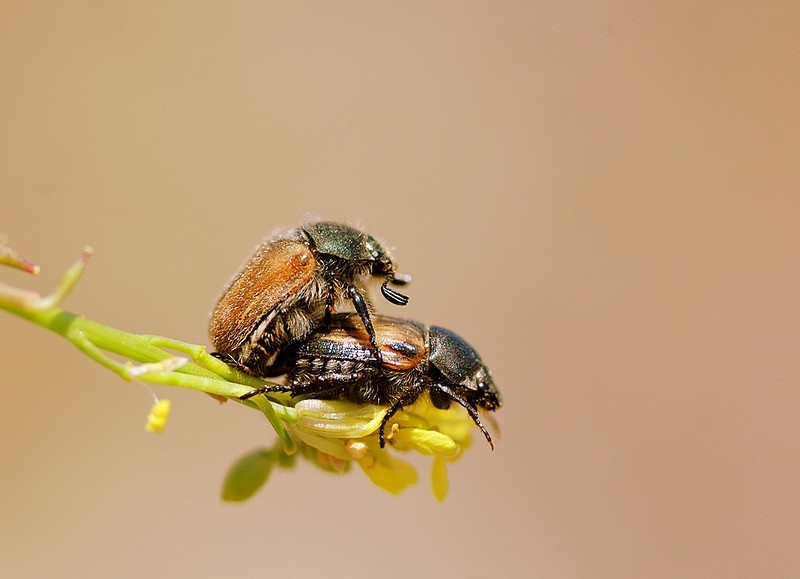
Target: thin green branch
point(146, 357)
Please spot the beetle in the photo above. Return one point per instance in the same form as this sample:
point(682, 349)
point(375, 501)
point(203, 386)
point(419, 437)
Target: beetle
point(290, 285)
point(338, 363)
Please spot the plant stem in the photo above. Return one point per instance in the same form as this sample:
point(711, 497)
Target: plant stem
point(205, 373)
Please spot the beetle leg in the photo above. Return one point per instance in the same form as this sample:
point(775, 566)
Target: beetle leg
point(321, 384)
point(473, 413)
point(227, 358)
point(264, 390)
point(408, 398)
point(306, 382)
point(363, 312)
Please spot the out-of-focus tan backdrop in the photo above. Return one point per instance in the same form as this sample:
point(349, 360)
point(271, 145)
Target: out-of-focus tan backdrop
point(603, 198)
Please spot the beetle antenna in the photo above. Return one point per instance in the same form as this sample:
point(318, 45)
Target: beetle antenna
point(393, 296)
point(473, 413)
point(492, 422)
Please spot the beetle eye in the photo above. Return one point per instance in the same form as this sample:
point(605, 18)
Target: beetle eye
point(393, 296)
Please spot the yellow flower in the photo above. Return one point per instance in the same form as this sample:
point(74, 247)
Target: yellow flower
point(158, 417)
point(348, 431)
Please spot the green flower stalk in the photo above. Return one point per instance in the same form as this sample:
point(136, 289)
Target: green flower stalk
point(331, 434)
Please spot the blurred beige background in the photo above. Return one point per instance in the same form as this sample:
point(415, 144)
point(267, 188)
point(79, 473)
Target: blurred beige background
point(601, 197)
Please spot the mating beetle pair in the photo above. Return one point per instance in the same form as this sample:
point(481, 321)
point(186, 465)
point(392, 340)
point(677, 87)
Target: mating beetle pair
point(276, 316)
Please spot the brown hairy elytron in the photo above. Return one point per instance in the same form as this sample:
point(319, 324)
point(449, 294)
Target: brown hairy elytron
point(290, 286)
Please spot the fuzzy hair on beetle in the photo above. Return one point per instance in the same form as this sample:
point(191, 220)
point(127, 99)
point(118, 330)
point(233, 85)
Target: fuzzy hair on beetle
point(339, 362)
point(290, 286)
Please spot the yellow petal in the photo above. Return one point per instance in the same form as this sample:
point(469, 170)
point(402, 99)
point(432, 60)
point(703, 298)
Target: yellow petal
point(338, 418)
point(391, 474)
point(430, 442)
point(439, 480)
point(332, 446)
